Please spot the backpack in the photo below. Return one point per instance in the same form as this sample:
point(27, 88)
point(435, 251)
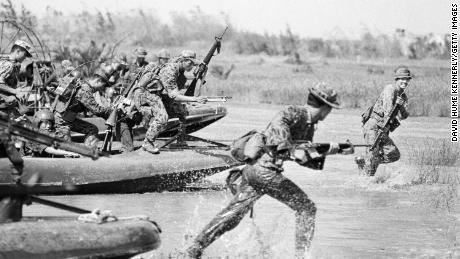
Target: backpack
point(238, 145)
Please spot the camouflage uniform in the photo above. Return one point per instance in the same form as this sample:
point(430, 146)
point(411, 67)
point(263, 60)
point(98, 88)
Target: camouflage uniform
point(83, 100)
point(149, 104)
point(264, 177)
point(134, 69)
point(8, 77)
point(173, 79)
point(154, 116)
point(386, 151)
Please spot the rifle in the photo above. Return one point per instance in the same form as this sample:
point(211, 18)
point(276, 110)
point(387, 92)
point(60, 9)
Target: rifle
point(200, 71)
point(323, 148)
point(215, 99)
point(112, 119)
point(386, 126)
point(34, 135)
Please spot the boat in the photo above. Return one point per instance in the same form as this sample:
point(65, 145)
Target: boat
point(71, 238)
point(134, 172)
point(199, 117)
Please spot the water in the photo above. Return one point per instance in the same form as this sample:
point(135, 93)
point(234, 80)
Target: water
point(356, 218)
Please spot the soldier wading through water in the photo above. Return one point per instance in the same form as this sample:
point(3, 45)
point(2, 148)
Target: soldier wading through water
point(374, 119)
point(265, 153)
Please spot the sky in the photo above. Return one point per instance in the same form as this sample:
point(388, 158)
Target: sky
point(308, 18)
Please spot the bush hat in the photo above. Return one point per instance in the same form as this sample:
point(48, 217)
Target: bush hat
point(325, 95)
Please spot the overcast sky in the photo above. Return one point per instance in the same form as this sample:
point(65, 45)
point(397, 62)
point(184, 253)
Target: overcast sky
point(309, 18)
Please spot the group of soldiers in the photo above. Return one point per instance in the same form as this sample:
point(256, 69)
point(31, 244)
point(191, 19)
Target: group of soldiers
point(158, 94)
point(153, 92)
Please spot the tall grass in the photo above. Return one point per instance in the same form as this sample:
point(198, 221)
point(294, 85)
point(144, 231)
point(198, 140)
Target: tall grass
point(275, 82)
point(141, 27)
point(435, 161)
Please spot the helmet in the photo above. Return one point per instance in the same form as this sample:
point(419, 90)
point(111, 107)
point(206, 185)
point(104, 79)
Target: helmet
point(141, 52)
point(24, 45)
point(402, 72)
point(42, 115)
point(190, 55)
point(164, 53)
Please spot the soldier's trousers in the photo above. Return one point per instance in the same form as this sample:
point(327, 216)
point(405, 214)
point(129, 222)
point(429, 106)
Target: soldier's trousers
point(126, 135)
point(176, 110)
point(385, 152)
point(154, 119)
point(254, 185)
point(63, 129)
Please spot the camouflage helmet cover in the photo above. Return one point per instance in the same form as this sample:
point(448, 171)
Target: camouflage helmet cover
point(164, 53)
point(190, 55)
point(42, 115)
point(141, 52)
point(25, 46)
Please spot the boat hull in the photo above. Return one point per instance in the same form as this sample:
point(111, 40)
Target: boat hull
point(71, 238)
point(134, 172)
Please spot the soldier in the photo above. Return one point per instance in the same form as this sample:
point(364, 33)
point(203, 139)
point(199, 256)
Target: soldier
point(148, 103)
point(44, 121)
point(374, 118)
point(78, 97)
point(173, 80)
point(137, 65)
point(9, 93)
point(163, 56)
point(266, 152)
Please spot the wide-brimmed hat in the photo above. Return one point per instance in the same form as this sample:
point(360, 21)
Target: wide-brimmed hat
point(190, 55)
point(141, 52)
point(24, 45)
point(402, 72)
point(326, 95)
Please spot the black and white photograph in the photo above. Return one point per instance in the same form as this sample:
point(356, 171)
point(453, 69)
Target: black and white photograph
point(195, 129)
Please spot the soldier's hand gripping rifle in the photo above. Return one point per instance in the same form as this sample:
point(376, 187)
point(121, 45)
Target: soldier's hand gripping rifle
point(200, 71)
point(32, 134)
point(313, 155)
point(113, 117)
point(386, 125)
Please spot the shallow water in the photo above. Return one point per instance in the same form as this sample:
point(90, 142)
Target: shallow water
point(356, 218)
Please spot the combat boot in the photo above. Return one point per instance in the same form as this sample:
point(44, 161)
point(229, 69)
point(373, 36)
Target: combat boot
point(149, 147)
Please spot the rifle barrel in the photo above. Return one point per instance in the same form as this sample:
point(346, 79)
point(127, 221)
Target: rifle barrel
point(46, 139)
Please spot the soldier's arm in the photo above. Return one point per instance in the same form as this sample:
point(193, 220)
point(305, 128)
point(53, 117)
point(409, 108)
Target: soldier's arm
point(403, 113)
point(5, 71)
point(5, 89)
point(168, 78)
point(87, 99)
point(388, 95)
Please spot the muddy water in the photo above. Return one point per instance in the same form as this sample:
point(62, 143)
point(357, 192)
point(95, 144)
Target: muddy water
point(356, 217)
